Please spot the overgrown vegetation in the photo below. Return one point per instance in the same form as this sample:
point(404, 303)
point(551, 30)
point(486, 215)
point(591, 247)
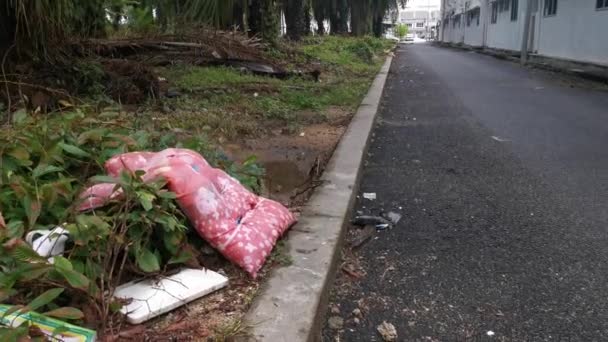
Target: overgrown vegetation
point(35, 25)
point(229, 103)
point(64, 102)
point(45, 161)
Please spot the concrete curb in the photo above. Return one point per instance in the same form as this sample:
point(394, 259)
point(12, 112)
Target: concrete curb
point(290, 306)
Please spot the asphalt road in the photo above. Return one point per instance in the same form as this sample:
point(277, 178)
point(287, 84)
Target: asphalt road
point(501, 175)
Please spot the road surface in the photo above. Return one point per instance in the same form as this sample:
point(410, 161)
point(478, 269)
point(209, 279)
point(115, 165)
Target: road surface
point(501, 175)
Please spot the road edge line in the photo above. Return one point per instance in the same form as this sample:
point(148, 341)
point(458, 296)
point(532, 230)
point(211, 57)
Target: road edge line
point(291, 303)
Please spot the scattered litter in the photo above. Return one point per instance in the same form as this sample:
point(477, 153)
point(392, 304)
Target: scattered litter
point(388, 269)
point(55, 329)
point(490, 333)
point(387, 331)
point(366, 220)
point(366, 233)
point(383, 226)
point(499, 139)
point(353, 270)
point(240, 225)
point(151, 298)
point(302, 134)
point(394, 217)
point(335, 322)
point(369, 195)
point(335, 310)
point(256, 94)
point(357, 312)
point(48, 243)
point(356, 320)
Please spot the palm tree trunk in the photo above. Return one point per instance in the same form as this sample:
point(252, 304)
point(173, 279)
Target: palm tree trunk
point(8, 26)
point(294, 18)
point(378, 26)
point(263, 20)
point(338, 16)
point(320, 8)
point(307, 17)
point(361, 17)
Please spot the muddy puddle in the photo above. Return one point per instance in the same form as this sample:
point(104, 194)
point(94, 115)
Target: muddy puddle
point(292, 162)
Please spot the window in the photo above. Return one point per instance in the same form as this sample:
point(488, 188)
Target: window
point(550, 7)
point(503, 5)
point(494, 18)
point(409, 25)
point(419, 24)
point(602, 4)
point(473, 16)
point(514, 9)
point(456, 21)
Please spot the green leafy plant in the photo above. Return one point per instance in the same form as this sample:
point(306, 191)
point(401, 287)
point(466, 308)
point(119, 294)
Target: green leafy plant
point(45, 162)
point(401, 30)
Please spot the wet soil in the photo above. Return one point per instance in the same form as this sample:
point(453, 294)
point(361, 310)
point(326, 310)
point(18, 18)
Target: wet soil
point(293, 161)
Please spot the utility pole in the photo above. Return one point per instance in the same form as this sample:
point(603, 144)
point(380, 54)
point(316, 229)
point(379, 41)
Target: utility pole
point(442, 14)
point(526, 36)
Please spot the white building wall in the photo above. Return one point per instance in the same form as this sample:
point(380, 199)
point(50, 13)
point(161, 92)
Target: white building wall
point(578, 32)
point(506, 34)
point(474, 33)
point(456, 31)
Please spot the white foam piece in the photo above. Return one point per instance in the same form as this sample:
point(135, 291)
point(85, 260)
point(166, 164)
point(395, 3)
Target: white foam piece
point(153, 297)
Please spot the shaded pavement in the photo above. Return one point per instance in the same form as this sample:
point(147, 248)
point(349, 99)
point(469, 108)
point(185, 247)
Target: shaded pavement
point(501, 175)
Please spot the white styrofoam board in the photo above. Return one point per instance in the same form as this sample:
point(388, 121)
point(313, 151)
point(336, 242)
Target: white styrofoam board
point(153, 297)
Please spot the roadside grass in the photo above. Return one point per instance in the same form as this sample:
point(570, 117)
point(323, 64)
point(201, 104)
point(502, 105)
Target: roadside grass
point(227, 103)
point(230, 330)
point(280, 255)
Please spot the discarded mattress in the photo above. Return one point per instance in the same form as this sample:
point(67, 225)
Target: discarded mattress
point(239, 224)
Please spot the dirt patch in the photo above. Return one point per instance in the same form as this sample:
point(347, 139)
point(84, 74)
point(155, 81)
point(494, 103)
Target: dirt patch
point(129, 82)
point(293, 161)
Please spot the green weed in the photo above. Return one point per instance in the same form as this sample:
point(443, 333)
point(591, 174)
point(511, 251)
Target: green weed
point(231, 329)
point(191, 78)
point(280, 254)
point(45, 162)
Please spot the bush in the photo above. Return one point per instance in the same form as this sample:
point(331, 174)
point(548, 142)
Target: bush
point(45, 162)
point(352, 54)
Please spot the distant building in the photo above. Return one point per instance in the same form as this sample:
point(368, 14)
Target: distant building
point(421, 17)
point(565, 29)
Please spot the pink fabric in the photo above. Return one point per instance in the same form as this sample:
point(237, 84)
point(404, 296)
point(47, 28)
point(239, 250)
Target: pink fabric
point(239, 224)
point(97, 196)
point(128, 161)
point(2, 223)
